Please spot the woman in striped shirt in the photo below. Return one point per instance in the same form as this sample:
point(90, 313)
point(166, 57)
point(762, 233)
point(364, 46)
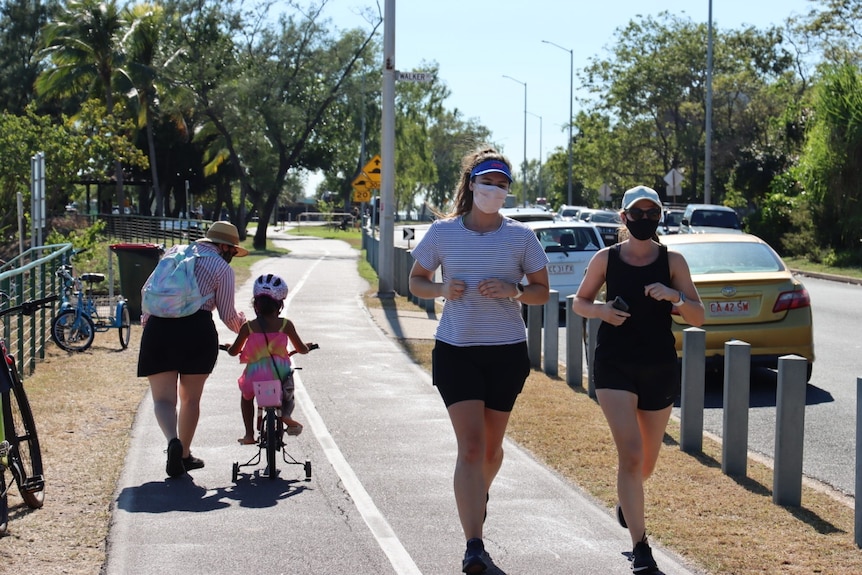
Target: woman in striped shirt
point(178, 354)
point(480, 360)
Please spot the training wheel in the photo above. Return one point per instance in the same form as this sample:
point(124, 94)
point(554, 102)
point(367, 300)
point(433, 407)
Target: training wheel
point(235, 473)
point(307, 467)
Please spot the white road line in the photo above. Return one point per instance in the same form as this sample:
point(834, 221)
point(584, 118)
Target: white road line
point(386, 538)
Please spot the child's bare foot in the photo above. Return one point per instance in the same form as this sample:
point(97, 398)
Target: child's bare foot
point(293, 426)
point(246, 440)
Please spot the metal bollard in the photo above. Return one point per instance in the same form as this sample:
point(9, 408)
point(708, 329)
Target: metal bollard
point(592, 332)
point(534, 335)
point(789, 430)
point(551, 356)
point(574, 346)
point(737, 390)
point(692, 394)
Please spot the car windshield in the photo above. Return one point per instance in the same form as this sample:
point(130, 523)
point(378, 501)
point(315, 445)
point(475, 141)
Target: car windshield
point(605, 217)
point(672, 218)
point(715, 219)
point(728, 257)
point(567, 239)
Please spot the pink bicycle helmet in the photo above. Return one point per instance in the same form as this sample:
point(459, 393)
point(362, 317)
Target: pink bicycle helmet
point(271, 286)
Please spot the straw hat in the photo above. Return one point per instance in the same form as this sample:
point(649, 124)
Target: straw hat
point(225, 233)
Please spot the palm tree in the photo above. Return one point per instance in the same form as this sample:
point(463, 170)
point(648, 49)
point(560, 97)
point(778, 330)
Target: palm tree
point(145, 26)
point(84, 47)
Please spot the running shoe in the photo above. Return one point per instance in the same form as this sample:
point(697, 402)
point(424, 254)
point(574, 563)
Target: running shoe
point(474, 557)
point(642, 561)
point(192, 462)
point(174, 466)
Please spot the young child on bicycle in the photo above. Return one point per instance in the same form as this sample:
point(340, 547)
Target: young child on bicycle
point(262, 345)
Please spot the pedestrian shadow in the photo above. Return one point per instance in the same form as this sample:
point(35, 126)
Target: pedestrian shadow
point(180, 494)
point(183, 494)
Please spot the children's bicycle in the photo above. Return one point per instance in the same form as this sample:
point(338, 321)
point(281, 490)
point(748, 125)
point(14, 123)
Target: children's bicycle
point(271, 431)
point(82, 313)
point(19, 444)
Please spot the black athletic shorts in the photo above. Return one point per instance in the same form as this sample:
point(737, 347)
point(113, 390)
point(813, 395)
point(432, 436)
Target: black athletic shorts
point(494, 374)
point(188, 345)
point(656, 386)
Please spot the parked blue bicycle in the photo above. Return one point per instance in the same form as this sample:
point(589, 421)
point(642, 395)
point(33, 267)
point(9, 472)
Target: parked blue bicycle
point(82, 313)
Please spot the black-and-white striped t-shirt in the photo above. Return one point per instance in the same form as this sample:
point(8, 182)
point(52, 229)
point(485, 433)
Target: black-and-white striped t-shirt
point(508, 253)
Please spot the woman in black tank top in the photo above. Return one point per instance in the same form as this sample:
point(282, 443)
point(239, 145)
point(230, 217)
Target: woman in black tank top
point(636, 373)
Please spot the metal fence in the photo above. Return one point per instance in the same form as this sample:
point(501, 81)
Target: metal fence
point(150, 229)
point(30, 275)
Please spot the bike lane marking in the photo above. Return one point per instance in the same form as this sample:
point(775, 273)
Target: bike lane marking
point(386, 538)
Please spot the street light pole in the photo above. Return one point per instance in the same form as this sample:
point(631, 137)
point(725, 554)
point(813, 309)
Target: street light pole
point(571, 99)
point(524, 165)
point(540, 153)
point(707, 159)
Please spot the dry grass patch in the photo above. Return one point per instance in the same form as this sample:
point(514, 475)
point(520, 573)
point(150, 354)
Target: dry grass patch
point(84, 405)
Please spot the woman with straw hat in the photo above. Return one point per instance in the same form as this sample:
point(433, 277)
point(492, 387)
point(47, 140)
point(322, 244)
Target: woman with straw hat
point(178, 353)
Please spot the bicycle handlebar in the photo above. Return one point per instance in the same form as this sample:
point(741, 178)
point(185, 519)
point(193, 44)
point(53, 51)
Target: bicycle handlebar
point(310, 346)
point(29, 307)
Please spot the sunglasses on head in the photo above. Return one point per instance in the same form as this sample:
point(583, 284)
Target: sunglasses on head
point(637, 213)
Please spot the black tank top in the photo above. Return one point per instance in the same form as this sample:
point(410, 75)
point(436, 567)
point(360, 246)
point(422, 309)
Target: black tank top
point(646, 336)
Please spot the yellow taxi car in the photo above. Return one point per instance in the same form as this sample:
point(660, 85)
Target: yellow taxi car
point(749, 295)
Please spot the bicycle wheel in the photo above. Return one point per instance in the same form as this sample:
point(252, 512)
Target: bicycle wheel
point(25, 456)
point(73, 333)
point(125, 322)
point(270, 428)
point(4, 502)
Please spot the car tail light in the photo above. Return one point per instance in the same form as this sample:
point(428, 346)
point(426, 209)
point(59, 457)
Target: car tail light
point(792, 300)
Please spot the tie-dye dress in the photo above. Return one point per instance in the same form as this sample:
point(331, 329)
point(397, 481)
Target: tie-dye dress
point(257, 359)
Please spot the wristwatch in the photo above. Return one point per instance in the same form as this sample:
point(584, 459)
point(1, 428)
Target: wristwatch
point(681, 300)
point(520, 288)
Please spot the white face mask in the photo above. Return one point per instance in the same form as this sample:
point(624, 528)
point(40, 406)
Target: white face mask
point(488, 199)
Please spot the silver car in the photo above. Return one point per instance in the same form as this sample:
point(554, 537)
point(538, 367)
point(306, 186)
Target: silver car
point(570, 246)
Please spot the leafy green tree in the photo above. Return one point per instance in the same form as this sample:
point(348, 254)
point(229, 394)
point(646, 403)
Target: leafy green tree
point(270, 98)
point(649, 108)
point(828, 168)
point(84, 49)
point(74, 149)
point(21, 22)
point(145, 25)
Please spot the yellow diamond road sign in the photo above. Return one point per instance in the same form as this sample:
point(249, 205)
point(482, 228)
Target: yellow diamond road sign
point(372, 169)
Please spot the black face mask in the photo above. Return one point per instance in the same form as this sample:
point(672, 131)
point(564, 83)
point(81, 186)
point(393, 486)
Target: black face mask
point(642, 229)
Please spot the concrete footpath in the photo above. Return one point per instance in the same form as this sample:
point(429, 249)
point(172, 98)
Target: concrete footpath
point(382, 454)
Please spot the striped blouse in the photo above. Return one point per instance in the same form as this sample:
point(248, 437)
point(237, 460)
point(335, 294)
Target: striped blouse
point(215, 276)
point(508, 253)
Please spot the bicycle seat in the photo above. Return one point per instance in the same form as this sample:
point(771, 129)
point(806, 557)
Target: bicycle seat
point(92, 278)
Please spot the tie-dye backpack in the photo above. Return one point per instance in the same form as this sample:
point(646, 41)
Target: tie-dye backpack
point(172, 289)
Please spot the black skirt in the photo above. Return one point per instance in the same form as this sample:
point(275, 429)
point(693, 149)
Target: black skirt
point(188, 345)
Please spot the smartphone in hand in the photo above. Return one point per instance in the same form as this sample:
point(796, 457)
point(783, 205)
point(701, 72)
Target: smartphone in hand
point(620, 304)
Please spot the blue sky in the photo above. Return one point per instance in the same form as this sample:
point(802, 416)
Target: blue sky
point(477, 42)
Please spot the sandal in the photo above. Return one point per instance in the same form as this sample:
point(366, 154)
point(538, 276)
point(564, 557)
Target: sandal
point(294, 429)
point(246, 441)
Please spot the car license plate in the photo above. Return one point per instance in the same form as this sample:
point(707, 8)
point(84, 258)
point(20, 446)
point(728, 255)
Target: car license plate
point(729, 308)
point(557, 269)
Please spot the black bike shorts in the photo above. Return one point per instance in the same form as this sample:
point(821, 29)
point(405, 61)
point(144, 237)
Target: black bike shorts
point(494, 374)
point(657, 386)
